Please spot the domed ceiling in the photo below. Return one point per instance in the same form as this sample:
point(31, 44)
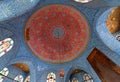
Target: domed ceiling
point(57, 33)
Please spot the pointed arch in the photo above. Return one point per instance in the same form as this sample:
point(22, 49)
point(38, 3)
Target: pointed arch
point(31, 65)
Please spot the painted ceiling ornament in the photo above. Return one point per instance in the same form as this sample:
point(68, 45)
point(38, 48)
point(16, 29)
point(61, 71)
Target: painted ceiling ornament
point(13, 8)
point(3, 73)
point(5, 46)
point(57, 33)
point(83, 1)
point(61, 73)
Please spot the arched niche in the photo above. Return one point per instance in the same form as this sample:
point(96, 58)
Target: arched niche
point(77, 74)
point(27, 67)
point(9, 45)
point(13, 8)
point(103, 26)
point(15, 72)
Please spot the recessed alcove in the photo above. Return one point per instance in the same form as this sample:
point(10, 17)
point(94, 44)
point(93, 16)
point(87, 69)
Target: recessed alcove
point(9, 44)
point(78, 75)
point(107, 27)
point(18, 72)
point(25, 69)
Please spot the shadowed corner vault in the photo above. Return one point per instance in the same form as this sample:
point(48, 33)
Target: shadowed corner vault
point(106, 69)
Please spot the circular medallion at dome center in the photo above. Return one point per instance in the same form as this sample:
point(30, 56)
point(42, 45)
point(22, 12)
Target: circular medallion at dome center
point(57, 33)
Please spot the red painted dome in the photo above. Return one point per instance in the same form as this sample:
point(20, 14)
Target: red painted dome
point(57, 33)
